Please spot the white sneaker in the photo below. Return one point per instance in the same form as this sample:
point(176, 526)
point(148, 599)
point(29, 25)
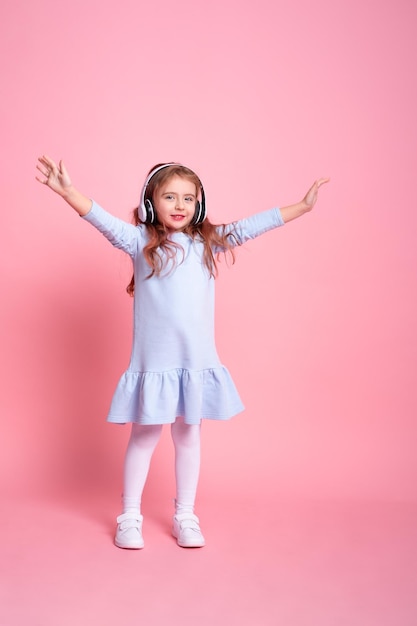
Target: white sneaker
point(129, 531)
point(186, 530)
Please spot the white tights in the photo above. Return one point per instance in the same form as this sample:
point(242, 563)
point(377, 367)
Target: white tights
point(142, 443)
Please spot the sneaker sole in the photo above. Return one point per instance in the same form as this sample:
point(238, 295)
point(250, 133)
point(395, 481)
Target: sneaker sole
point(136, 546)
point(184, 544)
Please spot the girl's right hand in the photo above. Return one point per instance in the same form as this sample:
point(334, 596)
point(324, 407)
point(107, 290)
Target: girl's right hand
point(55, 176)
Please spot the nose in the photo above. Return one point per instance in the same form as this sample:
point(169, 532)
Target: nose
point(180, 204)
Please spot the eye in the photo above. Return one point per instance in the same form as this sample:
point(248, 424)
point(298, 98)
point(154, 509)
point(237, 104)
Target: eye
point(169, 196)
point(189, 199)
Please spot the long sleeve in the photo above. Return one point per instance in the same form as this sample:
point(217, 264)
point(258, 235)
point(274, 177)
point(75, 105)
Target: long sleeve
point(250, 227)
point(121, 234)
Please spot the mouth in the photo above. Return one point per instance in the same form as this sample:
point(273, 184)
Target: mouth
point(178, 218)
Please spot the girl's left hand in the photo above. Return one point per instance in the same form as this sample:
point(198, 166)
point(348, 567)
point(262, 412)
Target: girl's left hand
point(311, 196)
point(293, 211)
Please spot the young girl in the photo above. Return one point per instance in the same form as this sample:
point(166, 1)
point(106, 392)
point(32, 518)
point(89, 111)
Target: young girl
point(175, 375)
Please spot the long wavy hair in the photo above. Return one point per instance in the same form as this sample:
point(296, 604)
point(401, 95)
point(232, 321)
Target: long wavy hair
point(161, 252)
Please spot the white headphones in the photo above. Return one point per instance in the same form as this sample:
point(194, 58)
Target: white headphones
point(147, 213)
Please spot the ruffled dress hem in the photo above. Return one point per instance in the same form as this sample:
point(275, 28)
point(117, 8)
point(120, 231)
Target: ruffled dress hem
point(160, 397)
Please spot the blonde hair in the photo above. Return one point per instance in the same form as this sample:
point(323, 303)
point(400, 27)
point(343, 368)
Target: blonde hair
point(160, 252)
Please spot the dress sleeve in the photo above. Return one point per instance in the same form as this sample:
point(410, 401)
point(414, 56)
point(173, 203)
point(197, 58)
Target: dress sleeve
point(250, 227)
point(121, 234)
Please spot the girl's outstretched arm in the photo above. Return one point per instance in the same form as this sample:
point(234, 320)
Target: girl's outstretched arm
point(57, 178)
point(297, 210)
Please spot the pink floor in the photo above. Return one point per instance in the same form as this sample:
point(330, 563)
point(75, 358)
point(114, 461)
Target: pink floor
point(265, 563)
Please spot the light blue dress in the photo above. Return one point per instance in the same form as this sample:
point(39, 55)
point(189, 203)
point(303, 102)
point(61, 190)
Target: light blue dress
point(174, 367)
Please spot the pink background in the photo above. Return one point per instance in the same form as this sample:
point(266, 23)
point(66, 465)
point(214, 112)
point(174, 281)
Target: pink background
point(316, 321)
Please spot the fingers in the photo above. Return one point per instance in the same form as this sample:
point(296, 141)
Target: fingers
point(45, 172)
point(47, 162)
point(62, 168)
point(321, 181)
point(312, 194)
point(46, 167)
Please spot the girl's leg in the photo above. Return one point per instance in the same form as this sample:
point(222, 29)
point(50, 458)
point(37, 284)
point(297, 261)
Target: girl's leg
point(186, 440)
point(142, 443)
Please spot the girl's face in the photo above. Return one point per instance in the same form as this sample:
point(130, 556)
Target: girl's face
point(174, 203)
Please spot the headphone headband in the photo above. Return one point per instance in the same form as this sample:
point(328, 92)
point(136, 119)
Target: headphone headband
point(147, 211)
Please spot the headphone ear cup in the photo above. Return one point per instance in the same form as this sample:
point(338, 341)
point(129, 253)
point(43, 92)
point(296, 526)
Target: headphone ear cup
point(150, 212)
point(142, 213)
point(203, 212)
point(200, 210)
point(197, 214)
